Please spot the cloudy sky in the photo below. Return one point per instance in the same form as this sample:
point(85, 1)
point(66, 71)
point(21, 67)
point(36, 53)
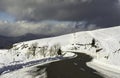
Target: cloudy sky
point(19, 17)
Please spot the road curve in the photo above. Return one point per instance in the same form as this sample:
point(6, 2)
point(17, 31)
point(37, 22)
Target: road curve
point(69, 68)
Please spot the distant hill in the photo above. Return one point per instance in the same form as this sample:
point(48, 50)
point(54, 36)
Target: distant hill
point(7, 42)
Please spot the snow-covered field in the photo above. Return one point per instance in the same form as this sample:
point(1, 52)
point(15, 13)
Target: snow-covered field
point(103, 45)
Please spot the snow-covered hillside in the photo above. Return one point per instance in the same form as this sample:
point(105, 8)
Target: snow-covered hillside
point(102, 44)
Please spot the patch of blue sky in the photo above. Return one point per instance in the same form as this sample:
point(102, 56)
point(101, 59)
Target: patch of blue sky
point(6, 17)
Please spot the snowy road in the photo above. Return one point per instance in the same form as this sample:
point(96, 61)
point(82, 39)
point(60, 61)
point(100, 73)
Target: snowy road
point(11, 68)
point(68, 68)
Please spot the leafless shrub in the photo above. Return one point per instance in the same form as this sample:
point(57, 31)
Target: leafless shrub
point(55, 50)
point(32, 49)
point(43, 51)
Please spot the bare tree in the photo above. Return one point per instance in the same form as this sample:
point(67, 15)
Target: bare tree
point(52, 51)
point(55, 50)
point(43, 50)
point(32, 49)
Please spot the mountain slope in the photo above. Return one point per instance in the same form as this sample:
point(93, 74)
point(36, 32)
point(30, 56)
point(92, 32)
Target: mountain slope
point(7, 42)
point(102, 44)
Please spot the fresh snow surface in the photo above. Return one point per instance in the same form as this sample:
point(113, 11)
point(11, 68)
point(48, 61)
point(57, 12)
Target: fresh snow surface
point(103, 70)
point(18, 54)
point(102, 44)
point(27, 72)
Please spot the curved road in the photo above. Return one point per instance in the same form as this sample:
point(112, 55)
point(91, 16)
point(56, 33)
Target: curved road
point(69, 68)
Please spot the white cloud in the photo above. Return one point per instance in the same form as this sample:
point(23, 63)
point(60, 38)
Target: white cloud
point(43, 28)
point(21, 28)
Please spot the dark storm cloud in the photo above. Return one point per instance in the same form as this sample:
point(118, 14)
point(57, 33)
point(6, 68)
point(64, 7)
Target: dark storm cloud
point(99, 12)
point(43, 28)
point(91, 14)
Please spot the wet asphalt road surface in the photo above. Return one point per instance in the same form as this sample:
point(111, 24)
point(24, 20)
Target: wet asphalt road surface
point(68, 68)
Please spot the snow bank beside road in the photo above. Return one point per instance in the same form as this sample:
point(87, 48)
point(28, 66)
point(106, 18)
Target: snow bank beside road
point(24, 71)
point(102, 44)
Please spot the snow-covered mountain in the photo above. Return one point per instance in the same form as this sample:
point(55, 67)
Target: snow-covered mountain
point(102, 44)
point(6, 42)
